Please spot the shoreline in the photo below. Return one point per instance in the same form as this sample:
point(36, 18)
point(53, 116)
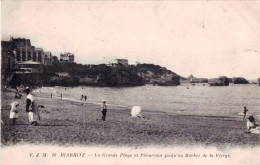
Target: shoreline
point(68, 123)
point(238, 117)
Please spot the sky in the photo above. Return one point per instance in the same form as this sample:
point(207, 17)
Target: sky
point(204, 38)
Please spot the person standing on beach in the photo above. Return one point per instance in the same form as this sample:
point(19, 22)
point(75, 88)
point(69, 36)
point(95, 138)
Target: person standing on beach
point(104, 110)
point(245, 110)
point(85, 97)
point(14, 111)
point(30, 107)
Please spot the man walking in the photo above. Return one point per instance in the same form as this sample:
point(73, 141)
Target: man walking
point(245, 110)
point(104, 110)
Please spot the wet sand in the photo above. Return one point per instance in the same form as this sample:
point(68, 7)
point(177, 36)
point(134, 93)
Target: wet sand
point(72, 123)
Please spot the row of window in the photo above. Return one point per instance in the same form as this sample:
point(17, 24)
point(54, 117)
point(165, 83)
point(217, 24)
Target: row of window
point(23, 58)
point(29, 53)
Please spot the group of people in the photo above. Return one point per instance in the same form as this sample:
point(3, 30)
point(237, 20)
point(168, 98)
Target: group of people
point(84, 97)
point(31, 109)
point(33, 113)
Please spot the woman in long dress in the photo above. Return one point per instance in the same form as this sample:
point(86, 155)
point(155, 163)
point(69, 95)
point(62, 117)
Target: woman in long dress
point(31, 108)
point(14, 111)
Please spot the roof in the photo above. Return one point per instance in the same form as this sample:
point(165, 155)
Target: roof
point(121, 59)
point(66, 55)
point(47, 53)
point(22, 41)
point(30, 62)
point(6, 44)
point(38, 49)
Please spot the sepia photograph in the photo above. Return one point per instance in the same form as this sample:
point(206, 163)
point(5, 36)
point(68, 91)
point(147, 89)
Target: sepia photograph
point(130, 82)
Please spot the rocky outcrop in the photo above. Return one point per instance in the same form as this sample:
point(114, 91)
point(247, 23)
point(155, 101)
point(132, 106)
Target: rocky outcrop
point(157, 75)
point(220, 81)
point(42, 79)
point(240, 80)
point(130, 76)
point(87, 81)
point(63, 81)
point(99, 75)
point(121, 76)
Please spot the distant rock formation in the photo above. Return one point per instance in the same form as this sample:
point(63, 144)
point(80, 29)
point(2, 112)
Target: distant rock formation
point(220, 81)
point(156, 75)
point(193, 79)
point(43, 79)
point(240, 80)
point(73, 74)
point(102, 75)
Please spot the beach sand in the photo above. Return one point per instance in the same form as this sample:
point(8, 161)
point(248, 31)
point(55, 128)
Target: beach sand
point(69, 123)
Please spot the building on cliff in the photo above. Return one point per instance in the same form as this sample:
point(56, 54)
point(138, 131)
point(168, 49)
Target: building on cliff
point(123, 62)
point(119, 62)
point(69, 57)
point(24, 51)
point(18, 51)
point(193, 79)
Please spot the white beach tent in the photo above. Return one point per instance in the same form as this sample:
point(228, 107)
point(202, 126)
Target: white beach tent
point(135, 112)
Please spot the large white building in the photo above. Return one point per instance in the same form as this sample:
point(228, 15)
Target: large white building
point(18, 55)
point(24, 51)
point(67, 57)
point(123, 62)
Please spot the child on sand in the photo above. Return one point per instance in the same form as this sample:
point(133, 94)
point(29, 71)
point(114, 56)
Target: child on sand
point(252, 126)
point(14, 111)
point(250, 123)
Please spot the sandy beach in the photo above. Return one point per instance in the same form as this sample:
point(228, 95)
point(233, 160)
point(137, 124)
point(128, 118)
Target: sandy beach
point(72, 123)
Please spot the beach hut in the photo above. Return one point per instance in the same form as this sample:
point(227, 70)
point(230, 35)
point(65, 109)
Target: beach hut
point(135, 111)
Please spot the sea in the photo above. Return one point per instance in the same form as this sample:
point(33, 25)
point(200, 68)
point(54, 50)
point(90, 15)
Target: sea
point(185, 99)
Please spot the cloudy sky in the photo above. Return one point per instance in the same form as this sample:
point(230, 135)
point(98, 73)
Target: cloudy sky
point(203, 38)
